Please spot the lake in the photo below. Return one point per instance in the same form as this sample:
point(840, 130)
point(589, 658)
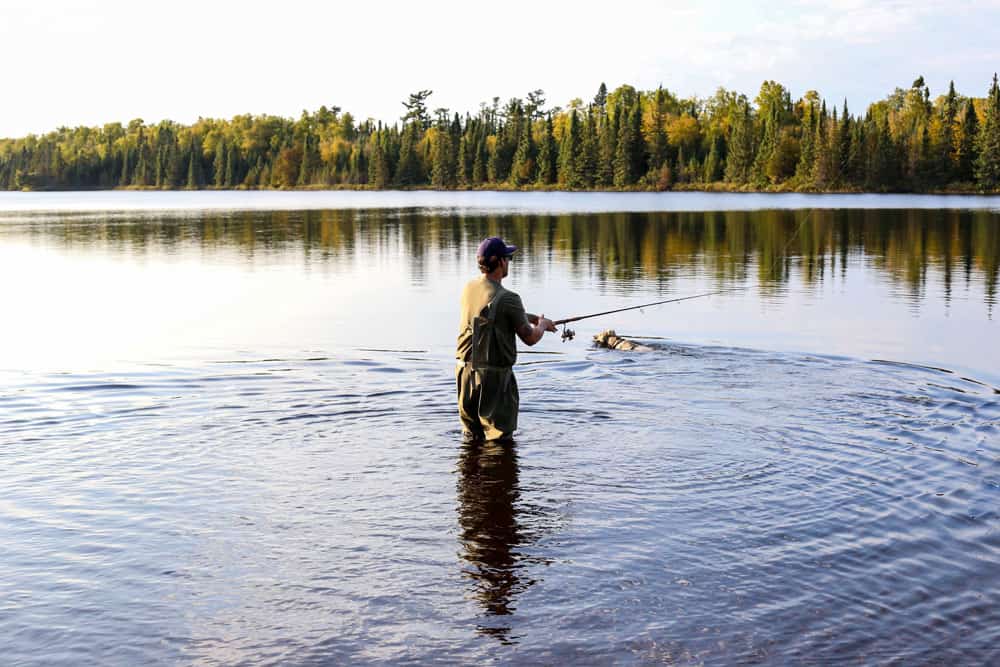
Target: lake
point(228, 431)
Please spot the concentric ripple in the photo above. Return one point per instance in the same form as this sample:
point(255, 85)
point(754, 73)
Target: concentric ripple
point(694, 504)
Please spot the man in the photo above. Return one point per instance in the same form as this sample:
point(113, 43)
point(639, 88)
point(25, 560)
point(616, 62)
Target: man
point(491, 315)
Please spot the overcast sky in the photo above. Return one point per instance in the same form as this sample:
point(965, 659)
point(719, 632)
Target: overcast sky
point(87, 62)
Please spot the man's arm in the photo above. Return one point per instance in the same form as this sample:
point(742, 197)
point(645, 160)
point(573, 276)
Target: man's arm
point(532, 332)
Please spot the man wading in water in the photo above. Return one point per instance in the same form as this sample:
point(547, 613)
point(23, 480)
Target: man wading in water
point(491, 315)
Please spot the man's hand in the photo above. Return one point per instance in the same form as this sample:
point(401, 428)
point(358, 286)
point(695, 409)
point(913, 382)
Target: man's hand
point(546, 324)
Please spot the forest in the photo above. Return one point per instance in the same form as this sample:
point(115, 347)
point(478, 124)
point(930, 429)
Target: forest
point(624, 139)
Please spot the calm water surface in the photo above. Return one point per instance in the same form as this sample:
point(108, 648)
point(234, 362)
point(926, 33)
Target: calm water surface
point(227, 432)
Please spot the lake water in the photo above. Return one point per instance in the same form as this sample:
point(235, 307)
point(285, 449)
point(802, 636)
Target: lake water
point(228, 431)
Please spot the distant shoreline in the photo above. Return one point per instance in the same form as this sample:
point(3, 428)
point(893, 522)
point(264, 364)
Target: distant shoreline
point(716, 188)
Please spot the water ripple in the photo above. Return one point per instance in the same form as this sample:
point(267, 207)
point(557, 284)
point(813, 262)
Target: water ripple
point(694, 504)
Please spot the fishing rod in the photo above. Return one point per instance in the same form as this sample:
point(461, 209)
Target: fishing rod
point(568, 334)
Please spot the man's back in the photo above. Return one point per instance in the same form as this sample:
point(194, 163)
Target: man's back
point(510, 315)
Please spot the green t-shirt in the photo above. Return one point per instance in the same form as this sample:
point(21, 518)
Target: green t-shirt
point(510, 316)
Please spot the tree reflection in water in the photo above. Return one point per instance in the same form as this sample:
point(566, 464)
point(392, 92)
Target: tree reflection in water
point(626, 249)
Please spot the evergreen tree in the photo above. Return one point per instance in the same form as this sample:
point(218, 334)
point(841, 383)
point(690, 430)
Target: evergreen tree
point(588, 150)
point(219, 164)
point(657, 132)
point(416, 109)
point(638, 149)
point(947, 158)
point(807, 154)
point(141, 176)
point(523, 168)
point(629, 158)
point(442, 158)
point(231, 175)
point(601, 98)
point(967, 151)
point(547, 156)
point(194, 167)
point(988, 162)
point(607, 147)
point(465, 158)
point(823, 173)
point(845, 149)
point(740, 155)
point(855, 166)
point(479, 164)
point(408, 172)
point(712, 169)
point(378, 165)
point(883, 173)
point(305, 166)
point(773, 106)
point(126, 171)
point(569, 154)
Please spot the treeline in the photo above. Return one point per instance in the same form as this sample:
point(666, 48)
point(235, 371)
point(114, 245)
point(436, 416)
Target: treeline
point(622, 139)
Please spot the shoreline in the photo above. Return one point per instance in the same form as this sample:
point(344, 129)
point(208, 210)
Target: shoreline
point(720, 188)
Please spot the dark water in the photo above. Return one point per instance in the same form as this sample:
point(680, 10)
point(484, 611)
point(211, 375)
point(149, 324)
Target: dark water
point(231, 438)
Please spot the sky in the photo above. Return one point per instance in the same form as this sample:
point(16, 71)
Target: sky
point(88, 62)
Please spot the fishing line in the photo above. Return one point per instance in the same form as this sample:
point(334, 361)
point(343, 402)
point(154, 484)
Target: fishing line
point(569, 334)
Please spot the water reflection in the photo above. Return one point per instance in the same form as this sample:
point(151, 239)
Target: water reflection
point(491, 534)
point(626, 250)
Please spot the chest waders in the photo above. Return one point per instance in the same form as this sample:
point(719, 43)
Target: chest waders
point(487, 393)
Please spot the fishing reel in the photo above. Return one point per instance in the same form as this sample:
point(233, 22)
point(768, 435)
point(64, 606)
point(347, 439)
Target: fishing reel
point(567, 333)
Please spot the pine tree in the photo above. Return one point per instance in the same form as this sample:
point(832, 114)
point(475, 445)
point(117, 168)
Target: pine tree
point(588, 150)
point(569, 154)
point(219, 164)
point(601, 98)
point(740, 156)
point(523, 169)
point(629, 158)
point(378, 167)
point(658, 133)
point(946, 159)
point(194, 167)
point(442, 159)
point(409, 172)
point(988, 162)
point(823, 176)
point(141, 170)
point(479, 164)
point(807, 152)
point(231, 166)
point(126, 171)
point(884, 169)
point(845, 149)
point(712, 169)
point(464, 161)
point(547, 156)
point(765, 149)
point(305, 166)
point(159, 168)
point(606, 149)
point(854, 169)
point(967, 145)
point(639, 162)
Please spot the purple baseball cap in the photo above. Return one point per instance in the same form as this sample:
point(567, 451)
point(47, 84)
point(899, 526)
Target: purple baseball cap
point(495, 246)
